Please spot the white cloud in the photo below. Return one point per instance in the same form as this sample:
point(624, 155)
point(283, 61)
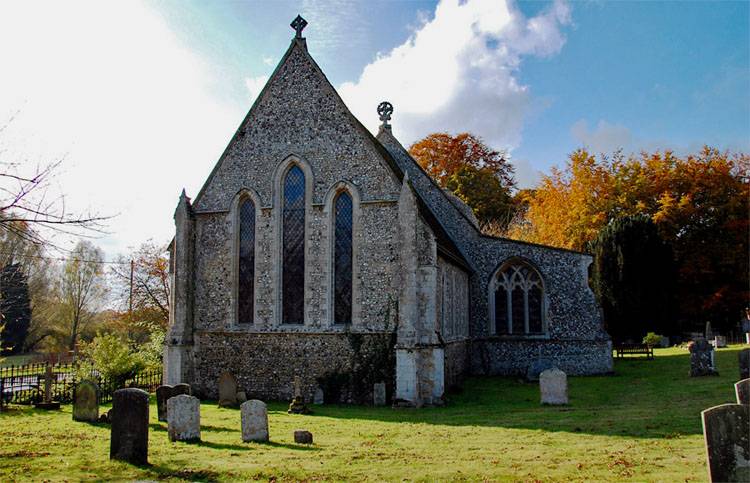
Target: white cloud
point(109, 84)
point(458, 72)
point(606, 138)
point(255, 85)
point(268, 60)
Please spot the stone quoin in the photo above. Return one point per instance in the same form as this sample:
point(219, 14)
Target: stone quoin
point(317, 250)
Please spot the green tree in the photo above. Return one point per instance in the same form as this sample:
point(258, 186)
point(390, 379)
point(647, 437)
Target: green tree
point(633, 278)
point(15, 308)
point(484, 193)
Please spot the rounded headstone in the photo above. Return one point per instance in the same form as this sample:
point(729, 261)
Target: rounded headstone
point(742, 391)
point(744, 360)
point(727, 439)
point(129, 433)
point(537, 367)
point(254, 415)
point(162, 394)
point(303, 437)
point(553, 386)
point(86, 405)
point(184, 418)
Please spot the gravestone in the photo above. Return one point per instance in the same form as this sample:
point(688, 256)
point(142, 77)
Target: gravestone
point(129, 433)
point(709, 334)
point(184, 418)
point(702, 359)
point(378, 394)
point(303, 437)
point(537, 367)
point(227, 390)
point(297, 386)
point(163, 393)
point(744, 359)
point(726, 431)
point(48, 403)
point(553, 386)
point(742, 391)
point(254, 421)
point(241, 397)
point(720, 341)
point(319, 397)
point(85, 405)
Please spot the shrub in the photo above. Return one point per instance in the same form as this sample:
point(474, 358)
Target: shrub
point(112, 358)
point(652, 339)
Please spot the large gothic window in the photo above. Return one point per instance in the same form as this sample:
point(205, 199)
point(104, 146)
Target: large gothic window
point(246, 260)
point(518, 297)
point(293, 252)
point(342, 276)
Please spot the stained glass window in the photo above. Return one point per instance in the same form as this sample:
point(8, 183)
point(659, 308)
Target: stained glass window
point(343, 260)
point(501, 311)
point(293, 256)
point(246, 278)
point(526, 310)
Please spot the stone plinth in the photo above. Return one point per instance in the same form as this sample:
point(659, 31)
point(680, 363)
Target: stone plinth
point(184, 418)
point(129, 433)
point(303, 437)
point(254, 421)
point(85, 405)
point(553, 386)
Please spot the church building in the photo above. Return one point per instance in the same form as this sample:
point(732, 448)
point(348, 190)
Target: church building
point(320, 252)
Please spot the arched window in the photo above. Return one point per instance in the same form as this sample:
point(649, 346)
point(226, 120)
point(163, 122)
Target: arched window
point(246, 261)
point(342, 273)
point(518, 296)
point(293, 252)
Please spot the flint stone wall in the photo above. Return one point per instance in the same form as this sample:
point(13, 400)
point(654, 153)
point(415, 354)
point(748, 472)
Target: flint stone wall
point(265, 364)
point(505, 356)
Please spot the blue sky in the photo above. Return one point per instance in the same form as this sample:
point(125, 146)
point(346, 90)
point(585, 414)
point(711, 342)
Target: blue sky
point(141, 97)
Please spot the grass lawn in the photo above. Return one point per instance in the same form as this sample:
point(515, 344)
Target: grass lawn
point(643, 424)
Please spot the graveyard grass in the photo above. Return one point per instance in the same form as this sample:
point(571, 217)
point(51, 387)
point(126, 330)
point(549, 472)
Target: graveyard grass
point(642, 424)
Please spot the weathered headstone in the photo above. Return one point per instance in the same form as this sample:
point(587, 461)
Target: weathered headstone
point(85, 404)
point(537, 367)
point(742, 391)
point(319, 397)
point(298, 406)
point(553, 386)
point(241, 397)
point(184, 418)
point(720, 341)
point(702, 359)
point(163, 393)
point(254, 421)
point(227, 390)
point(129, 433)
point(297, 386)
point(744, 359)
point(378, 394)
point(726, 430)
point(303, 437)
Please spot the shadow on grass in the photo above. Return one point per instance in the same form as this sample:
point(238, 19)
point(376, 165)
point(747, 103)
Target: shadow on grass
point(644, 399)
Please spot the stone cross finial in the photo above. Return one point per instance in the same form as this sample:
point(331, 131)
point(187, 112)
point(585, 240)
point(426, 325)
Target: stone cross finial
point(298, 24)
point(385, 109)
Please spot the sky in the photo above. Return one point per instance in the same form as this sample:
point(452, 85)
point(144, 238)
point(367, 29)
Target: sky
point(139, 98)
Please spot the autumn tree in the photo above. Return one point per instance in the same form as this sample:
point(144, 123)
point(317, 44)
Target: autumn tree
point(82, 289)
point(633, 278)
point(699, 205)
point(479, 175)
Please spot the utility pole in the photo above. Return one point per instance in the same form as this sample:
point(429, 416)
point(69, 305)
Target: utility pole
point(132, 269)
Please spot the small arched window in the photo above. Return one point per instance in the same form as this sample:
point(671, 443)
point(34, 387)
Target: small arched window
point(518, 296)
point(246, 261)
point(342, 273)
point(293, 252)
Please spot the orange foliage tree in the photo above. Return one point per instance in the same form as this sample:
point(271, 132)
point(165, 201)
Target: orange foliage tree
point(699, 203)
point(479, 175)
